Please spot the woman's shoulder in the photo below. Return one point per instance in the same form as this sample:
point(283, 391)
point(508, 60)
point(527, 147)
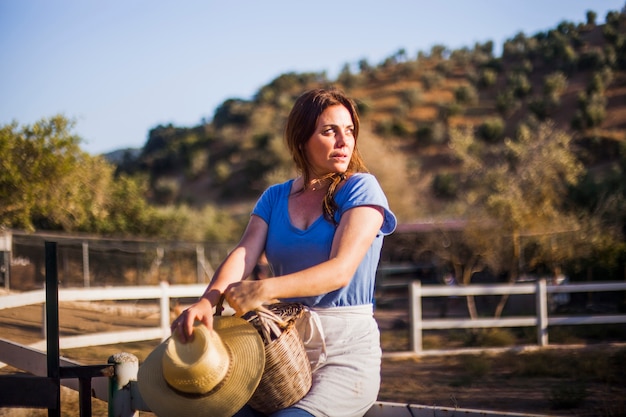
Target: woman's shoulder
point(364, 189)
point(362, 179)
point(361, 185)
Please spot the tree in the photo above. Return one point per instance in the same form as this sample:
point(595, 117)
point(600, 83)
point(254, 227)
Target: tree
point(591, 17)
point(518, 187)
point(35, 162)
point(47, 182)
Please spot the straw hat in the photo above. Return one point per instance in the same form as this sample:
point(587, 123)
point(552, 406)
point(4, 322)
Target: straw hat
point(215, 374)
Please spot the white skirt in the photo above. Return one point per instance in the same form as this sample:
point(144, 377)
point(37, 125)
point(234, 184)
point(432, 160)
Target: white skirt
point(347, 380)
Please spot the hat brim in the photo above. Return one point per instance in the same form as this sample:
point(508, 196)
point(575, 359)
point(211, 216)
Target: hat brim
point(248, 361)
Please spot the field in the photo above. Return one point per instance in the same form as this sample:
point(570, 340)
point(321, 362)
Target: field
point(585, 380)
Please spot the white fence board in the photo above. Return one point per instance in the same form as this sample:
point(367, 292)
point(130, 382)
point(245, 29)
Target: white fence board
point(22, 299)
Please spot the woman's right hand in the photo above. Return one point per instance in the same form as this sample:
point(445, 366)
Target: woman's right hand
point(182, 326)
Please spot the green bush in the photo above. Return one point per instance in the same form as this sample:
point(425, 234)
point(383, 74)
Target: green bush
point(431, 80)
point(554, 84)
point(506, 102)
point(592, 59)
point(519, 84)
point(411, 96)
point(487, 78)
point(394, 127)
point(166, 190)
point(445, 185)
point(430, 134)
point(492, 129)
point(448, 110)
point(466, 94)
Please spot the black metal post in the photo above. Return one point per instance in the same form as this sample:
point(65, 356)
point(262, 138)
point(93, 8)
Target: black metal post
point(52, 323)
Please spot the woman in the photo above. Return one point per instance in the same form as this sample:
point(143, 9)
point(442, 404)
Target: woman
point(322, 233)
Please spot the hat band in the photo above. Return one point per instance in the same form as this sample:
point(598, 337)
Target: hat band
point(216, 388)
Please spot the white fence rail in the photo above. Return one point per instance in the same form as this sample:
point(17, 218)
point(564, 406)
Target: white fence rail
point(540, 320)
point(165, 292)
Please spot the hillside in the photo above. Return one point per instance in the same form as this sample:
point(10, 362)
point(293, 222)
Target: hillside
point(573, 75)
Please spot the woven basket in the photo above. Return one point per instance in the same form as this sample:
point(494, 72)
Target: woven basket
point(287, 375)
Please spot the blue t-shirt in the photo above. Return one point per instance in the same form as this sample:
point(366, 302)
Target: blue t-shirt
point(289, 249)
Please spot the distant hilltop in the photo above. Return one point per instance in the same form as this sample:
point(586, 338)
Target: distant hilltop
point(118, 156)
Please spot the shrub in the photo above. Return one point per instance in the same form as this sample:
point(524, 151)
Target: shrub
point(591, 112)
point(445, 185)
point(506, 102)
point(487, 78)
point(591, 60)
point(431, 80)
point(430, 134)
point(492, 129)
point(519, 84)
point(466, 94)
point(411, 96)
point(166, 190)
point(554, 83)
point(450, 109)
point(393, 127)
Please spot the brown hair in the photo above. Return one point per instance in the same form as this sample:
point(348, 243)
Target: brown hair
point(301, 126)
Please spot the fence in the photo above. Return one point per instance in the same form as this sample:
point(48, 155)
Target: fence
point(86, 261)
point(165, 292)
point(121, 370)
point(540, 320)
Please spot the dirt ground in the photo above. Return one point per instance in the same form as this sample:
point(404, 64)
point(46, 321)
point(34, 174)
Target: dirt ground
point(445, 380)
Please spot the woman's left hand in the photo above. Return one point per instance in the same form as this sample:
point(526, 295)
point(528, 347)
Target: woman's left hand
point(244, 296)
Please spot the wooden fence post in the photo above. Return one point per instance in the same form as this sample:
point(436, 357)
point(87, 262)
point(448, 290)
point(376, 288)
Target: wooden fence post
point(86, 277)
point(541, 298)
point(200, 261)
point(165, 310)
point(120, 399)
point(415, 297)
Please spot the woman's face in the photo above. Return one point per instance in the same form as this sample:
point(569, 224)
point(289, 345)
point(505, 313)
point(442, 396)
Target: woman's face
point(329, 149)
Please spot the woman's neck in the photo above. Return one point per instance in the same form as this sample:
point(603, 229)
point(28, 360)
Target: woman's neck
point(317, 184)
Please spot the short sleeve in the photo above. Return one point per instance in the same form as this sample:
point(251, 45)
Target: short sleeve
point(364, 190)
point(268, 200)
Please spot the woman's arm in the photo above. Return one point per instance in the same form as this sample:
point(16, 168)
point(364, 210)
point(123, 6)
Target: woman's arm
point(357, 230)
point(236, 266)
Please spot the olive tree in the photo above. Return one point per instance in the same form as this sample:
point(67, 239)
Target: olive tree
point(516, 187)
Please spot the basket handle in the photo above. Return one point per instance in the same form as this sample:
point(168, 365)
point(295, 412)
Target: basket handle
point(270, 323)
point(219, 307)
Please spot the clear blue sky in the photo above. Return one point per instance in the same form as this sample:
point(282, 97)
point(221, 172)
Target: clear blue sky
point(122, 67)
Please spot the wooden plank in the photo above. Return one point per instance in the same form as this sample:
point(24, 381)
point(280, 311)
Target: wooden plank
point(22, 299)
point(34, 361)
point(386, 409)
